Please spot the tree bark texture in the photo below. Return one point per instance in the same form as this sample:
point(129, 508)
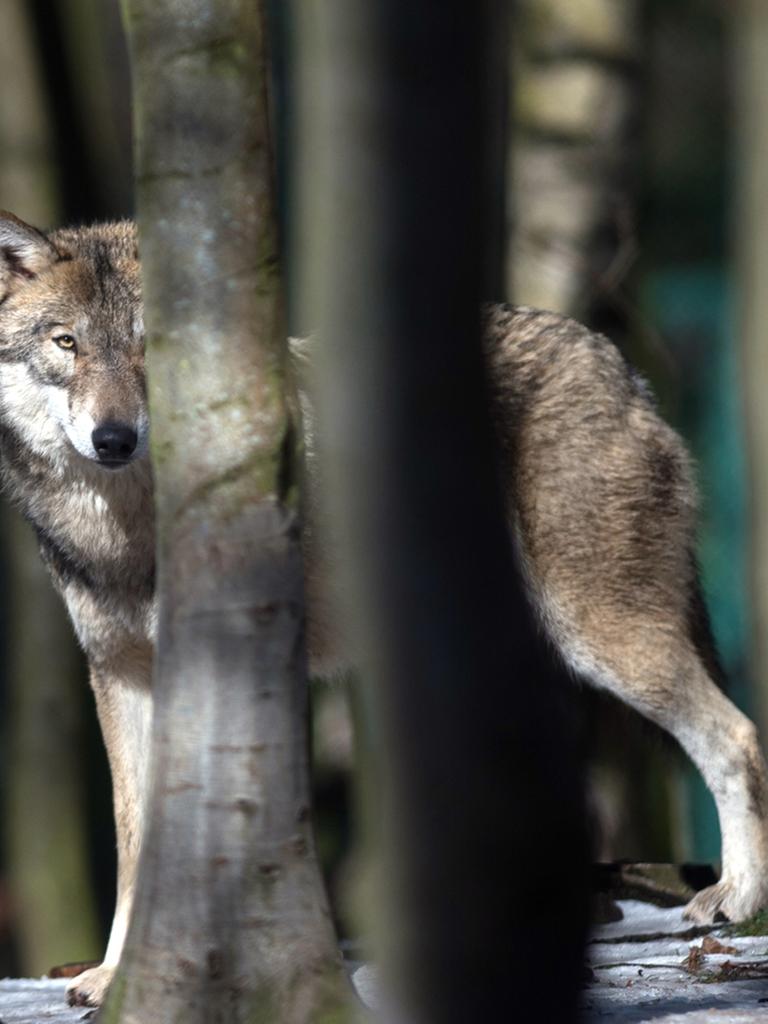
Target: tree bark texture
point(45, 784)
point(751, 241)
point(571, 234)
point(231, 922)
point(480, 793)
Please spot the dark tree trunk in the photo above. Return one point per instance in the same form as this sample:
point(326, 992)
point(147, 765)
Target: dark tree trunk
point(482, 802)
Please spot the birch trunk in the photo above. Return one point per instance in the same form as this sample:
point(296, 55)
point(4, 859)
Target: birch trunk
point(480, 795)
point(571, 156)
point(45, 817)
point(231, 922)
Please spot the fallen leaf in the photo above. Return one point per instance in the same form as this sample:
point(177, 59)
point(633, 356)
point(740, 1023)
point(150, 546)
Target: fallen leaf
point(710, 945)
point(695, 959)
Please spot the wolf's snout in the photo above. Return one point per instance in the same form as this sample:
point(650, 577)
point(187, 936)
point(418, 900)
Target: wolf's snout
point(114, 443)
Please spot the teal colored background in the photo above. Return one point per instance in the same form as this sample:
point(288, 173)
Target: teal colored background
point(692, 306)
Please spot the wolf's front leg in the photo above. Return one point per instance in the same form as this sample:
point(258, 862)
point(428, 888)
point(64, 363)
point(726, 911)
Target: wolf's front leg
point(124, 705)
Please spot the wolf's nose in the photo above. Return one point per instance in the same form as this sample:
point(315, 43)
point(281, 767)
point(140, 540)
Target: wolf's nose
point(114, 442)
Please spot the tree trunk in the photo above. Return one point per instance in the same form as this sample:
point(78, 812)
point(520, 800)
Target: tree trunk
point(84, 62)
point(480, 793)
point(47, 785)
point(45, 781)
point(571, 158)
point(231, 922)
point(94, 55)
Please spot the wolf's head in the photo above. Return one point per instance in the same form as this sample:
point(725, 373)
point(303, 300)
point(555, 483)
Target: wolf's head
point(72, 342)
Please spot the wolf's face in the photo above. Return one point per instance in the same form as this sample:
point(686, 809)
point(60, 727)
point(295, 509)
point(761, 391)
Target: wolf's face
point(72, 342)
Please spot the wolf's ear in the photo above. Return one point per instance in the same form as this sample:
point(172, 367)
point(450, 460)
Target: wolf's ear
point(24, 251)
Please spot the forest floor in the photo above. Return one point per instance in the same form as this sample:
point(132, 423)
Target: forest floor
point(650, 967)
point(38, 1001)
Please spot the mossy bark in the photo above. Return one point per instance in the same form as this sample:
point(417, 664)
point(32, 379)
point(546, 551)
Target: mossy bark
point(231, 921)
point(45, 783)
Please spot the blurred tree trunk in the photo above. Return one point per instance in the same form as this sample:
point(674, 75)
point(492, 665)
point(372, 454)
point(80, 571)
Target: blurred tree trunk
point(751, 81)
point(93, 52)
point(84, 64)
point(29, 180)
point(231, 921)
point(481, 796)
point(45, 786)
point(572, 157)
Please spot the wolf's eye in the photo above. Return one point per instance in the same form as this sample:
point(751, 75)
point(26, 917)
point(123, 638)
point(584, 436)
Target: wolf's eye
point(65, 341)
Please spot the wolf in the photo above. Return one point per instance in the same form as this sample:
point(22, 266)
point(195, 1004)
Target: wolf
point(600, 497)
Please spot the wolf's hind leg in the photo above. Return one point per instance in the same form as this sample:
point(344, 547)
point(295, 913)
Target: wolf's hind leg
point(668, 682)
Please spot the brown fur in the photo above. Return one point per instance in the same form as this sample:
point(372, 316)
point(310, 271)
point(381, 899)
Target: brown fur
point(599, 480)
point(603, 503)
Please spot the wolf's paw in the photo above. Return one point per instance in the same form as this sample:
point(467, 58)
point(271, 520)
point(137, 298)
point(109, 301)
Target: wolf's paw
point(725, 902)
point(90, 987)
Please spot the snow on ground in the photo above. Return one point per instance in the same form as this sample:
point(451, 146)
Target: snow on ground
point(643, 971)
point(649, 968)
point(38, 1001)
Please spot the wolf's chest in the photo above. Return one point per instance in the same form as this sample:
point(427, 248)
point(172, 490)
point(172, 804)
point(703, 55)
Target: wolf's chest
point(96, 536)
point(100, 550)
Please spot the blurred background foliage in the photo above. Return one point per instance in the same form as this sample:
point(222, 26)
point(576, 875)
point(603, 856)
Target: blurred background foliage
point(627, 143)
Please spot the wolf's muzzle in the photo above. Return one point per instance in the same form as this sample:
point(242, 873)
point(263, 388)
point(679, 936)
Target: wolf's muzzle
point(114, 444)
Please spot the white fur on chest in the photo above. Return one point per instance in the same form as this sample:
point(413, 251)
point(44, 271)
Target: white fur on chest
point(103, 519)
point(113, 534)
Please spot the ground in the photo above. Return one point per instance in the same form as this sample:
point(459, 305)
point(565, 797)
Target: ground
point(650, 967)
point(653, 967)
